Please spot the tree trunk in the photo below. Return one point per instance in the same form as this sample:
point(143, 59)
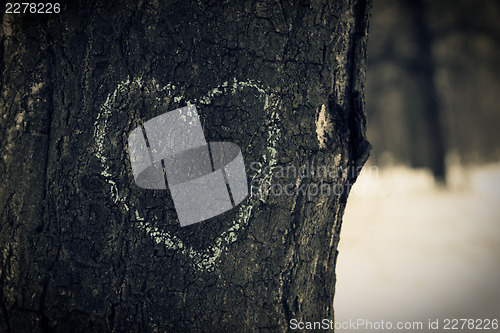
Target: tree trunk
point(403, 101)
point(427, 145)
point(85, 249)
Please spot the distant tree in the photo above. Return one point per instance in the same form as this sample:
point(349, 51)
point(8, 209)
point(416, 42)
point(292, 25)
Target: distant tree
point(428, 148)
point(404, 103)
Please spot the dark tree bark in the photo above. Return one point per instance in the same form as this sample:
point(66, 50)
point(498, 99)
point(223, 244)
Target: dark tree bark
point(85, 249)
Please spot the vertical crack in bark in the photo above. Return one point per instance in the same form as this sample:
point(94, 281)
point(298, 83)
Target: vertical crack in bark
point(356, 119)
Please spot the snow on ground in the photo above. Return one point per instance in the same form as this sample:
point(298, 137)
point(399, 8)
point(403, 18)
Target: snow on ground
point(411, 250)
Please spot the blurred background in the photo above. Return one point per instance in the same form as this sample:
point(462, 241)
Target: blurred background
point(421, 232)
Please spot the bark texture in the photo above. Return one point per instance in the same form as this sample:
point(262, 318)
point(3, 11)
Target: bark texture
point(84, 249)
